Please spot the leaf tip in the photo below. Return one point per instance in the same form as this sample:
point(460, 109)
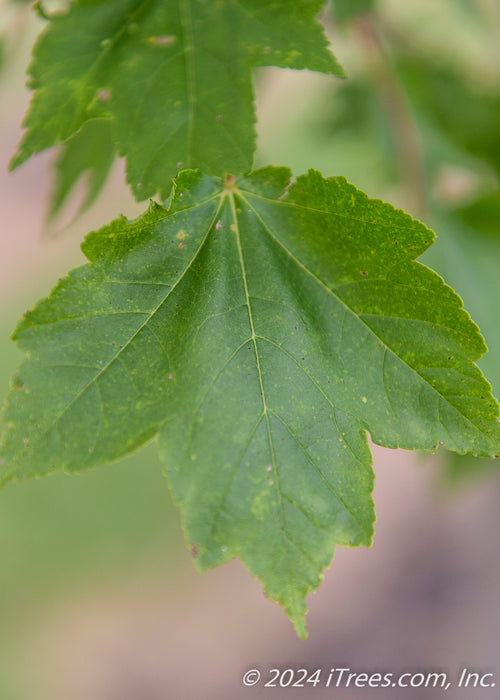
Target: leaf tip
point(40, 10)
point(296, 610)
point(300, 629)
point(154, 207)
point(17, 159)
point(338, 69)
point(297, 615)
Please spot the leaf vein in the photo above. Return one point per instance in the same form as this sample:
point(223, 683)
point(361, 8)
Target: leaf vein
point(356, 316)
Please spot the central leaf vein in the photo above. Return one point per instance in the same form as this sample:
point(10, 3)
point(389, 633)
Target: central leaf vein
point(257, 359)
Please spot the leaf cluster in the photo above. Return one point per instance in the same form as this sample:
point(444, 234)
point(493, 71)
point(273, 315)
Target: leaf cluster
point(257, 326)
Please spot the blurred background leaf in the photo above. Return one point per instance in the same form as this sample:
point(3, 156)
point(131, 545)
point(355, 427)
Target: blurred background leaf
point(346, 10)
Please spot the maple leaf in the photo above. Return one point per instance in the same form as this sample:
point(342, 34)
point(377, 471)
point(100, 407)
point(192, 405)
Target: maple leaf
point(259, 331)
point(182, 68)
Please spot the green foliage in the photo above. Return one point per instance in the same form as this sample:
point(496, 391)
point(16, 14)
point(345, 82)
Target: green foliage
point(90, 150)
point(286, 321)
point(483, 214)
point(258, 329)
point(464, 115)
point(454, 115)
point(346, 10)
point(173, 66)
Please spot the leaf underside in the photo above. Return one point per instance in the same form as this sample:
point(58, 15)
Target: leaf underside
point(259, 331)
point(183, 68)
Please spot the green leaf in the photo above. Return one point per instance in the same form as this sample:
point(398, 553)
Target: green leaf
point(471, 125)
point(183, 68)
point(90, 150)
point(467, 256)
point(259, 330)
point(483, 214)
point(347, 10)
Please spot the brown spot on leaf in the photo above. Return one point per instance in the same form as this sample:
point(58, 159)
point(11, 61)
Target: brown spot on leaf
point(162, 40)
point(104, 95)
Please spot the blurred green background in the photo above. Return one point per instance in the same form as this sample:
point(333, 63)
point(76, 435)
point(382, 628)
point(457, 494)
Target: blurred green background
point(98, 596)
